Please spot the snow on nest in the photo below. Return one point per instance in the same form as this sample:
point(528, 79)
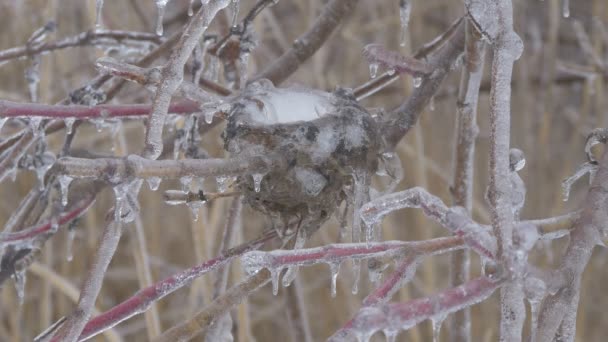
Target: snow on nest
point(269, 105)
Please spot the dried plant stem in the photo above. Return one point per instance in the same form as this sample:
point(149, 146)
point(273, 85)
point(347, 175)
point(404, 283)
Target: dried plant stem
point(307, 44)
point(464, 159)
point(75, 323)
point(200, 323)
point(173, 73)
point(587, 233)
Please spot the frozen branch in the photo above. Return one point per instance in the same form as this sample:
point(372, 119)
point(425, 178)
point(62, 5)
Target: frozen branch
point(464, 159)
point(144, 298)
point(307, 44)
point(116, 169)
point(10, 109)
point(75, 323)
point(588, 232)
point(392, 318)
point(172, 75)
point(405, 116)
point(92, 37)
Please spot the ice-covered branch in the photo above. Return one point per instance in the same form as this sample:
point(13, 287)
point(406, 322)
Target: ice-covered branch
point(406, 115)
point(588, 232)
point(464, 158)
point(144, 298)
point(392, 318)
point(172, 74)
point(456, 221)
point(10, 109)
point(92, 37)
point(117, 169)
point(377, 55)
point(308, 43)
point(75, 323)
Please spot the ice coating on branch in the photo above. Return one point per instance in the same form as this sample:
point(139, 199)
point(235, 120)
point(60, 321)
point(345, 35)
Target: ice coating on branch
point(160, 13)
point(405, 10)
point(535, 290)
point(373, 69)
point(32, 77)
point(20, 278)
point(191, 8)
point(585, 168)
point(223, 182)
point(436, 322)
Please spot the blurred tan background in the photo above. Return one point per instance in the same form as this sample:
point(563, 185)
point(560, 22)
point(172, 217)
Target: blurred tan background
point(552, 113)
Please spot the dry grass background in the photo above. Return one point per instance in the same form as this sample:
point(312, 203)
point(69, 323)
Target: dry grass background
point(550, 121)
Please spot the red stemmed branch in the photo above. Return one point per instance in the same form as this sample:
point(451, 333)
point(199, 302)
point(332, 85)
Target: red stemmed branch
point(402, 316)
point(144, 298)
point(9, 109)
point(378, 54)
point(9, 239)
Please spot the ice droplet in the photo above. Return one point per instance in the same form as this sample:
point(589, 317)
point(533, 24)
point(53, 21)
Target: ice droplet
point(69, 125)
point(405, 9)
point(64, 184)
point(257, 181)
point(70, 244)
point(160, 13)
point(154, 183)
point(98, 10)
point(334, 269)
point(373, 69)
point(566, 8)
point(274, 277)
point(417, 81)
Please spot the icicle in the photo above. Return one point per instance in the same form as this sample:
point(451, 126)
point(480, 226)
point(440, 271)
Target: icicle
point(125, 207)
point(432, 104)
point(374, 270)
point(274, 277)
point(98, 8)
point(185, 182)
point(154, 183)
point(257, 181)
point(20, 278)
point(292, 271)
point(34, 123)
point(2, 122)
point(390, 334)
point(566, 8)
point(535, 290)
point(234, 7)
point(64, 184)
point(191, 8)
point(373, 69)
point(195, 207)
point(70, 243)
point(222, 183)
point(209, 116)
point(436, 322)
point(32, 76)
point(160, 10)
point(417, 81)
point(334, 269)
point(69, 124)
point(405, 9)
point(356, 275)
